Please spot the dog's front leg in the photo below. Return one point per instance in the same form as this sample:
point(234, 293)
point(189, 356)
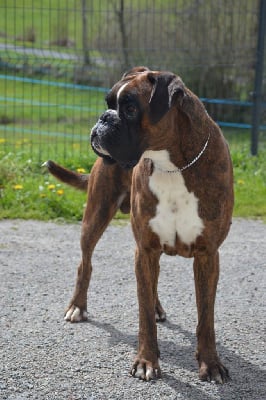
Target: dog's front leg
point(206, 274)
point(94, 223)
point(146, 364)
point(107, 186)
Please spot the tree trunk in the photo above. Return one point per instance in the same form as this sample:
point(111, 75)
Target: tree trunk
point(86, 56)
point(122, 27)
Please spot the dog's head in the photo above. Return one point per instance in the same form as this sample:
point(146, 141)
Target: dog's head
point(136, 105)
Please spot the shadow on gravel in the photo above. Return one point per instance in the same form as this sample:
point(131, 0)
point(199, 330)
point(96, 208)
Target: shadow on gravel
point(116, 335)
point(248, 381)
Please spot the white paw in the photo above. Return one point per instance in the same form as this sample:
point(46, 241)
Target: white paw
point(75, 315)
point(139, 373)
point(160, 317)
point(146, 374)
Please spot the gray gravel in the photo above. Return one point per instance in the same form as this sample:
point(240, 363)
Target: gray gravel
point(44, 357)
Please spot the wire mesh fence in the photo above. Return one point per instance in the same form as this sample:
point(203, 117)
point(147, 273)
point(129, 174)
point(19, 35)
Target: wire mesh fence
point(59, 58)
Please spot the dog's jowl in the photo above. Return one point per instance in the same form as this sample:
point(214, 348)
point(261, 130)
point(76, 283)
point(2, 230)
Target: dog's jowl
point(162, 156)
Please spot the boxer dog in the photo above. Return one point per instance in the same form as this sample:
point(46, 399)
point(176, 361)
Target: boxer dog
point(163, 157)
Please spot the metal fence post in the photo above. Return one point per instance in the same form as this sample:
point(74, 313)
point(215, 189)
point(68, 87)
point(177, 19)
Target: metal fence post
point(257, 95)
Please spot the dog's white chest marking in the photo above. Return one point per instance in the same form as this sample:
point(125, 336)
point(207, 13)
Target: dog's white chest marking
point(177, 208)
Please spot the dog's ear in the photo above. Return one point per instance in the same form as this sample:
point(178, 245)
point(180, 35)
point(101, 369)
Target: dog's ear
point(167, 89)
point(177, 92)
point(135, 70)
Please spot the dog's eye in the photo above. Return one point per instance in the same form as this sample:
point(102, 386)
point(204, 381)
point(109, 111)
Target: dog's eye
point(130, 110)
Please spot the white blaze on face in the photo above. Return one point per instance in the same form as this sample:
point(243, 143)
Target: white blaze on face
point(177, 208)
point(120, 90)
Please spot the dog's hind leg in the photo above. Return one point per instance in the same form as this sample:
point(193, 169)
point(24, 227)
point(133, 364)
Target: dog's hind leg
point(206, 274)
point(108, 186)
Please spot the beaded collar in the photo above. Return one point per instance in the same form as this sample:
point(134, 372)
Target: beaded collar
point(189, 164)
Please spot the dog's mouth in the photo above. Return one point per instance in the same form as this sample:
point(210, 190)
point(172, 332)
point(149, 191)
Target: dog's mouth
point(125, 164)
point(107, 157)
point(98, 149)
point(103, 154)
point(105, 142)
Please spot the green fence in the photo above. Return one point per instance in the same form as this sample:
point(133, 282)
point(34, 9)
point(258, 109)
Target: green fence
point(58, 58)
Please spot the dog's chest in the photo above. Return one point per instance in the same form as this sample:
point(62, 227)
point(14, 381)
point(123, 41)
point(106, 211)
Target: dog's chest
point(177, 208)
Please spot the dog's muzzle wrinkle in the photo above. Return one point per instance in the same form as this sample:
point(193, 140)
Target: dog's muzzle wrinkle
point(104, 133)
point(96, 142)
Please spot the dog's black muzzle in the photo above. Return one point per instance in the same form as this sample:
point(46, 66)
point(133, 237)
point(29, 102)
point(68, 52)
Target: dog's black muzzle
point(100, 133)
point(110, 140)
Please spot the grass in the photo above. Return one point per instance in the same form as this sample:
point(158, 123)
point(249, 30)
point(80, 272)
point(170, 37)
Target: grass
point(249, 175)
point(249, 184)
point(38, 122)
point(28, 191)
point(46, 121)
point(35, 103)
point(42, 17)
point(57, 19)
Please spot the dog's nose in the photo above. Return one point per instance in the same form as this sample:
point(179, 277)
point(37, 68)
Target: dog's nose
point(108, 116)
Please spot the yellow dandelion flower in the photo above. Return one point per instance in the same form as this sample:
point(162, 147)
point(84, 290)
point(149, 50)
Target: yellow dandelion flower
point(60, 192)
point(42, 195)
point(240, 182)
point(81, 170)
point(17, 187)
point(51, 186)
point(2, 140)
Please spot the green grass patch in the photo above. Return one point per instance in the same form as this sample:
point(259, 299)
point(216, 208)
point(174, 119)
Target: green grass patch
point(249, 174)
point(45, 23)
point(250, 183)
point(27, 102)
point(28, 191)
point(39, 20)
point(47, 121)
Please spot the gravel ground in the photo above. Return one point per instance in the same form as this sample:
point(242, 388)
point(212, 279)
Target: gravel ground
point(44, 357)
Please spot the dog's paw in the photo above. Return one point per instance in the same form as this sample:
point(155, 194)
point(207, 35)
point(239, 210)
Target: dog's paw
point(160, 316)
point(145, 370)
point(75, 314)
point(213, 371)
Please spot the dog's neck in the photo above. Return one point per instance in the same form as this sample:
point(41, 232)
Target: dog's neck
point(161, 166)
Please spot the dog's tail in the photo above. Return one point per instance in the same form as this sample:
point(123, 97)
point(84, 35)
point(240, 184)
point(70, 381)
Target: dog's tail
point(75, 179)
